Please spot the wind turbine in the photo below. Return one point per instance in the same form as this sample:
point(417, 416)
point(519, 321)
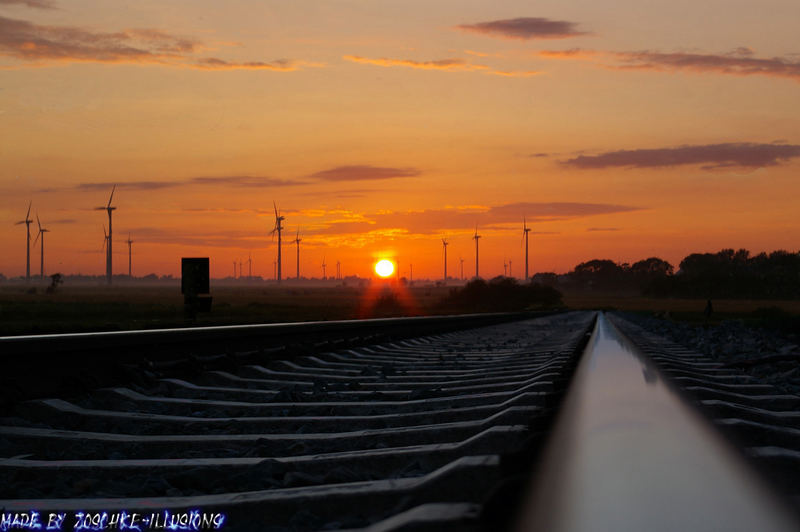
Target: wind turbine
point(297, 240)
point(324, 276)
point(445, 243)
point(234, 269)
point(505, 267)
point(109, 209)
point(41, 234)
point(461, 259)
point(130, 254)
point(338, 270)
point(476, 237)
point(249, 266)
point(105, 243)
point(27, 221)
point(509, 269)
point(525, 231)
point(277, 229)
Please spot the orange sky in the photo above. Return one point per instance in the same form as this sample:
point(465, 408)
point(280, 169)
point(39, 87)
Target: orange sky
point(620, 130)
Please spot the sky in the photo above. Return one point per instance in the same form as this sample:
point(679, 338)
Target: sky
point(618, 130)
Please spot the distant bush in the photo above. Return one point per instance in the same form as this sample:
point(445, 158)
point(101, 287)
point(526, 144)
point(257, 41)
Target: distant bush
point(500, 294)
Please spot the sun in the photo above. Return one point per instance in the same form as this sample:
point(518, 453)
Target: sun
point(384, 268)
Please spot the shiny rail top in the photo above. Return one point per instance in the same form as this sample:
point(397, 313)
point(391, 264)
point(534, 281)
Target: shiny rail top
point(628, 454)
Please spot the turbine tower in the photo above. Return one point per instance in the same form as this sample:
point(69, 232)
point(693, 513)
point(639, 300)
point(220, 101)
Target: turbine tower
point(338, 270)
point(41, 234)
point(130, 255)
point(249, 266)
point(27, 221)
point(445, 243)
point(277, 229)
point(476, 237)
point(461, 259)
point(109, 209)
point(324, 276)
point(297, 240)
point(525, 231)
point(105, 242)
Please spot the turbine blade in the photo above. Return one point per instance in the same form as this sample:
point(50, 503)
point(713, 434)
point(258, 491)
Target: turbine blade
point(276, 210)
point(29, 209)
point(112, 195)
point(35, 240)
point(38, 222)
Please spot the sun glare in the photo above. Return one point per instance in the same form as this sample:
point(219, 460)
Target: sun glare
point(384, 268)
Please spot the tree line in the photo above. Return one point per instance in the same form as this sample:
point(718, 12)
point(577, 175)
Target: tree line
point(724, 274)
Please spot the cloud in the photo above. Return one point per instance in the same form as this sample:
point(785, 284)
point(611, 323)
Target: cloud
point(740, 63)
point(710, 156)
point(515, 73)
point(26, 41)
point(438, 64)
point(363, 172)
point(38, 4)
point(572, 53)
point(281, 65)
point(524, 28)
point(594, 229)
point(449, 65)
point(245, 239)
point(230, 181)
point(457, 219)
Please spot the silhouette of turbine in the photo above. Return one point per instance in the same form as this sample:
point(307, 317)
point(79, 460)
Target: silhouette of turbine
point(525, 231)
point(476, 237)
point(277, 229)
point(105, 243)
point(41, 233)
point(445, 243)
point(108, 208)
point(130, 255)
point(27, 221)
point(324, 276)
point(297, 241)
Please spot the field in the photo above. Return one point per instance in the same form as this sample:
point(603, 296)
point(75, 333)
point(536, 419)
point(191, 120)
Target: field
point(80, 308)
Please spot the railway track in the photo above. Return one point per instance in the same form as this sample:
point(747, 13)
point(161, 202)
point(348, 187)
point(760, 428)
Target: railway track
point(438, 431)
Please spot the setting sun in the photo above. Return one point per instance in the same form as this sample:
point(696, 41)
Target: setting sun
point(384, 268)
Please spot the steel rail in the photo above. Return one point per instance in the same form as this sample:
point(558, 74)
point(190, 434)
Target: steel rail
point(49, 343)
point(628, 453)
point(43, 365)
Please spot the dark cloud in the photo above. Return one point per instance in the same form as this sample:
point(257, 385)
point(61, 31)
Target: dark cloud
point(740, 62)
point(525, 28)
point(539, 155)
point(592, 229)
point(27, 41)
point(38, 4)
point(363, 172)
point(212, 63)
point(709, 156)
point(230, 181)
point(32, 42)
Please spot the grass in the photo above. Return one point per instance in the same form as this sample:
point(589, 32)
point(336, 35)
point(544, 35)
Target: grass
point(79, 308)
